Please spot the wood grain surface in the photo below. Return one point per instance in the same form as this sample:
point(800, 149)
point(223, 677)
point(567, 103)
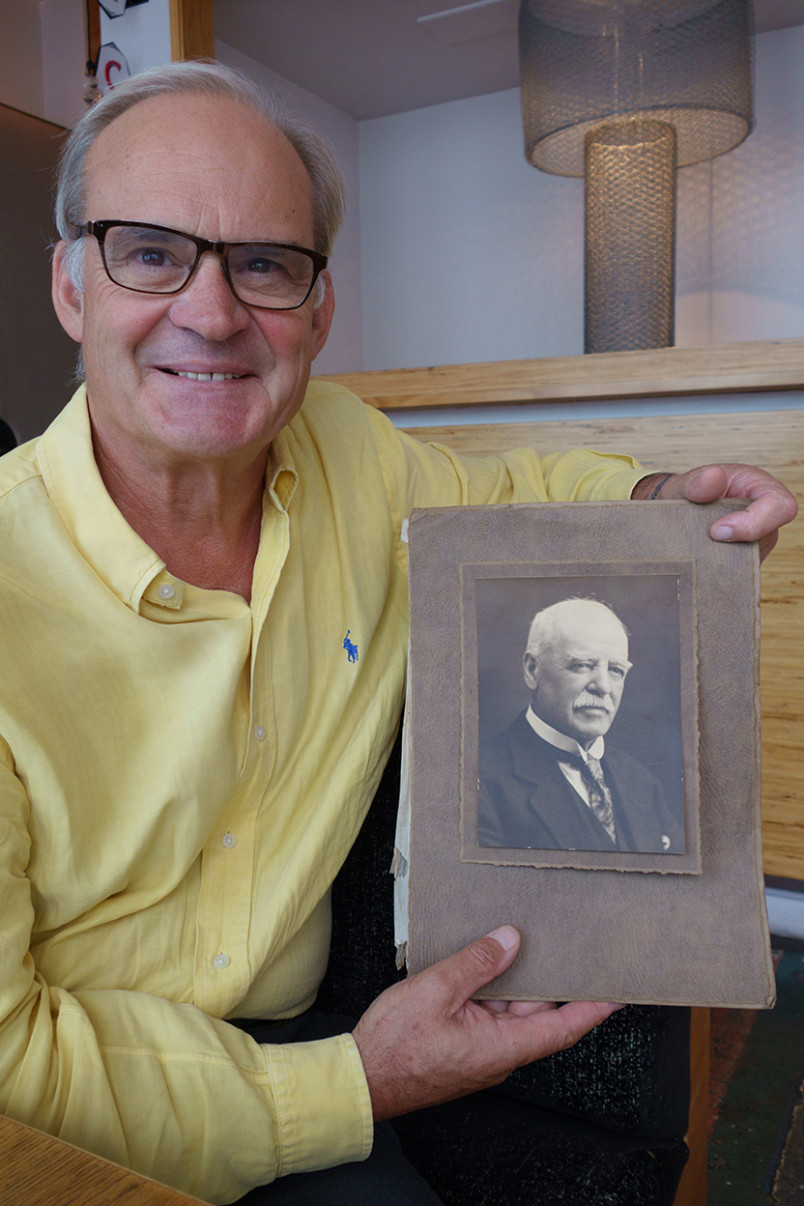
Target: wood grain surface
point(192, 30)
point(659, 373)
point(692, 1188)
point(38, 1170)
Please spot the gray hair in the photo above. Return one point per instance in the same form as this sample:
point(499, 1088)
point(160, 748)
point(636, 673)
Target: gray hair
point(545, 623)
point(210, 79)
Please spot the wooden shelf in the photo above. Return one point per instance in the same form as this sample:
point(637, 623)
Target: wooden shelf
point(667, 372)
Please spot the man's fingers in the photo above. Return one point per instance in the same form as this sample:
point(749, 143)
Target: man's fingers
point(524, 1009)
point(770, 507)
point(425, 1040)
point(520, 1009)
point(767, 511)
point(579, 1017)
point(533, 1034)
point(770, 504)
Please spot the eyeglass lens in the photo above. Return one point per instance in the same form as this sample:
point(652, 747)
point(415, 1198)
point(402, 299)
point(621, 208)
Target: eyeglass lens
point(162, 261)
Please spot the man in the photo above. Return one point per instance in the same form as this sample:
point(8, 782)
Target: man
point(187, 749)
point(545, 782)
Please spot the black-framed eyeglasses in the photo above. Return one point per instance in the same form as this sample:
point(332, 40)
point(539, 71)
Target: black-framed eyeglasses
point(157, 259)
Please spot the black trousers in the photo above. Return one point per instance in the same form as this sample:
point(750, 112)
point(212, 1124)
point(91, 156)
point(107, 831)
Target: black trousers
point(386, 1178)
point(494, 1147)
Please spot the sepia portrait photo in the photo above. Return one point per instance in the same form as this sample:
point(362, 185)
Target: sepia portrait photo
point(577, 757)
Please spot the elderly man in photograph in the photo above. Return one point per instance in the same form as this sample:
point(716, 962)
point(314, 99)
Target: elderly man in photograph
point(188, 748)
point(549, 781)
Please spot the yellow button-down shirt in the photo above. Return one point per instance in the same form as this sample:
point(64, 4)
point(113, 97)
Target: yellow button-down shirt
point(182, 775)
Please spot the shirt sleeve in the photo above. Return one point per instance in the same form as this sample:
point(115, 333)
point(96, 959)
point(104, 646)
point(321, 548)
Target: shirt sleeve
point(155, 1085)
point(428, 475)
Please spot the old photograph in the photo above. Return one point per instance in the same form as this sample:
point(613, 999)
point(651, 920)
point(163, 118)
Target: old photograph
point(579, 733)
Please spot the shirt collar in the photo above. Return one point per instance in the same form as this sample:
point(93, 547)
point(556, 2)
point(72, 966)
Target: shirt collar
point(281, 476)
point(70, 473)
point(561, 741)
point(128, 565)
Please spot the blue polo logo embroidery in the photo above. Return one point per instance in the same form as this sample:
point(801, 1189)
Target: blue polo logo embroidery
point(351, 650)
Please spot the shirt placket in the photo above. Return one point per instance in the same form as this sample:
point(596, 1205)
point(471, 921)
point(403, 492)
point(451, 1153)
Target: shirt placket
point(223, 965)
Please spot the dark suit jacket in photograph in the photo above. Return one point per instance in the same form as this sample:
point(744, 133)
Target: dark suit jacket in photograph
point(526, 802)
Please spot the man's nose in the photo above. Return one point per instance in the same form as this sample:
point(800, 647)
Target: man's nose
point(207, 304)
point(600, 680)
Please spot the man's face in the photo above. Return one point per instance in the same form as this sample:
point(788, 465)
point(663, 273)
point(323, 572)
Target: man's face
point(577, 681)
point(208, 167)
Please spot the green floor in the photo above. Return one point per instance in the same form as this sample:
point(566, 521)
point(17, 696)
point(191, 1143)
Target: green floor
point(756, 1154)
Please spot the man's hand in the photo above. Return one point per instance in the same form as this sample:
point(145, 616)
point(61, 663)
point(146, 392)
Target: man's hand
point(424, 1041)
point(771, 504)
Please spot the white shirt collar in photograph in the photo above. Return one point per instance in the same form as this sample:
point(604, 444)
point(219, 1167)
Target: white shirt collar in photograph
point(561, 741)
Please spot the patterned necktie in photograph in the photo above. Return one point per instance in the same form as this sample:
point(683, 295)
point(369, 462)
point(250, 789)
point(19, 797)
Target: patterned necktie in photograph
point(599, 795)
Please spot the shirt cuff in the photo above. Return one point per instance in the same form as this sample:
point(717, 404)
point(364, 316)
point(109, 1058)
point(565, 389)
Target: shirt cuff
point(613, 478)
point(323, 1106)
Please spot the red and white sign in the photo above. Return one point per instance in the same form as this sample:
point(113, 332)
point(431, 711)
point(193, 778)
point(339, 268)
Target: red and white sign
point(111, 68)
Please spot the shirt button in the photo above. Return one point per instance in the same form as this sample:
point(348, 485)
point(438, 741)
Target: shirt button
point(220, 961)
point(229, 840)
point(166, 591)
point(259, 732)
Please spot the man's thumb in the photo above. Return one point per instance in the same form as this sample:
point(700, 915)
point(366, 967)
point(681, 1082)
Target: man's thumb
point(483, 960)
point(506, 937)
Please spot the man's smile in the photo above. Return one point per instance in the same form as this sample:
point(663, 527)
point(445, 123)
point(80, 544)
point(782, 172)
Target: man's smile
point(204, 376)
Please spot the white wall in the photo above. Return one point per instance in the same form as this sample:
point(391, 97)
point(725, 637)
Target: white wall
point(757, 279)
point(469, 254)
point(343, 351)
point(142, 33)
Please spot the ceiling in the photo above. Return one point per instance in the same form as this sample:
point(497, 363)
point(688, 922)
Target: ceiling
point(371, 58)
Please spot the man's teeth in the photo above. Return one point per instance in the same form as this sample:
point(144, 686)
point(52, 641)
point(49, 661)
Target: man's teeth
point(209, 376)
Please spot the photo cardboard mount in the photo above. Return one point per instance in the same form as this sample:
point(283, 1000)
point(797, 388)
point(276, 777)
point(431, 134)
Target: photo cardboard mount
point(682, 926)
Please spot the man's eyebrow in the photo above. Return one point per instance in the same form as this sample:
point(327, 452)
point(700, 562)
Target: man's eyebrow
point(576, 655)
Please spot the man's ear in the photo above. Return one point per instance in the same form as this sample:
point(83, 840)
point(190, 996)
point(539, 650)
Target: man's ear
point(530, 664)
point(68, 300)
point(322, 314)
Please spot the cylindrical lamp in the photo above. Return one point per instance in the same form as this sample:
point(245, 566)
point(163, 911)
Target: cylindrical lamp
point(622, 92)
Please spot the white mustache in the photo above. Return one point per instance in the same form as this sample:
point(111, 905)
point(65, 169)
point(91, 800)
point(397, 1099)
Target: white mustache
point(586, 700)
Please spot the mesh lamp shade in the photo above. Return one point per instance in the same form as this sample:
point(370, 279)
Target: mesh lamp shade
point(622, 92)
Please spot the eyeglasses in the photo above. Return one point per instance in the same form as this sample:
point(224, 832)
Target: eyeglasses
point(156, 259)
